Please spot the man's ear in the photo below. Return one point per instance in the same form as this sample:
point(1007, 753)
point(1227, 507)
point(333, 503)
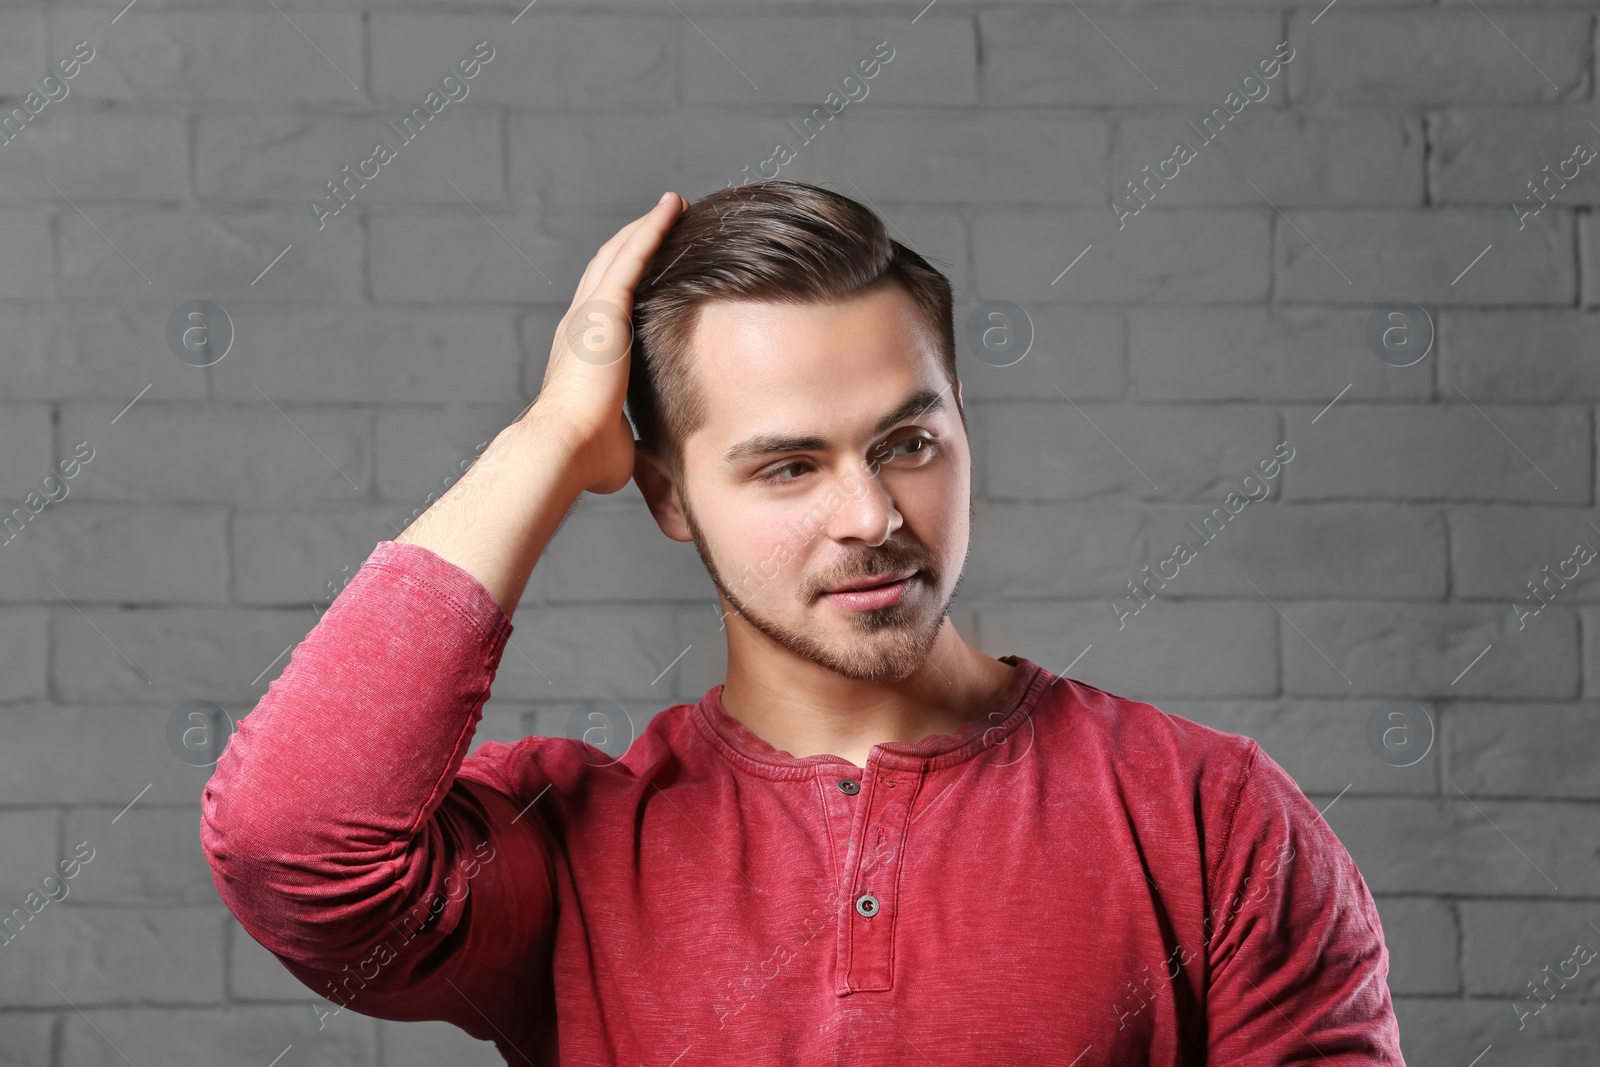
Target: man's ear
point(660, 492)
point(959, 406)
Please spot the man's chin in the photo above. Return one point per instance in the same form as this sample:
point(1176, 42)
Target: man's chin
point(885, 655)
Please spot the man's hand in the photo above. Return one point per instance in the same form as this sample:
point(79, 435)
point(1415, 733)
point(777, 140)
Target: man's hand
point(497, 519)
point(586, 380)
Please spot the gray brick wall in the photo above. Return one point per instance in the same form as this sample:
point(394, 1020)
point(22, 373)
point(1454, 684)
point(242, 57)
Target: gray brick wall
point(224, 505)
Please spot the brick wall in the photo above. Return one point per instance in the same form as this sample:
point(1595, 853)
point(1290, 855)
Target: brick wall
point(1173, 349)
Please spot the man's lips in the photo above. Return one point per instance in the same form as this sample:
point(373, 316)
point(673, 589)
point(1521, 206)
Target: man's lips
point(873, 581)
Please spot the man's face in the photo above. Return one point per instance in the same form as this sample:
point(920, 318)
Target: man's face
point(833, 454)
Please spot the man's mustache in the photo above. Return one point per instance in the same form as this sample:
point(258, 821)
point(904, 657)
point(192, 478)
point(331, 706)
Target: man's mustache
point(882, 563)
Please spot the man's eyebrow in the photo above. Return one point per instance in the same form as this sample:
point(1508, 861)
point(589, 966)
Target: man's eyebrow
point(918, 403)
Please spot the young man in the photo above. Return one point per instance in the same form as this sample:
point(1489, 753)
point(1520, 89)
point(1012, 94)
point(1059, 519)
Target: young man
point(873, 844)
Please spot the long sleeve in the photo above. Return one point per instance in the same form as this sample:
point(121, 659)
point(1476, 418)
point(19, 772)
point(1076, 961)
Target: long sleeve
point(1298, 965)
point(341, 835)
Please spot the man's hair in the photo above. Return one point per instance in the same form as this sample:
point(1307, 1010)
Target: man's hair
point(773, 241)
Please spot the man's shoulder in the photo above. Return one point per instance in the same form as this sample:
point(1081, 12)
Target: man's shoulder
point(1138, 738)
point(1170, 770)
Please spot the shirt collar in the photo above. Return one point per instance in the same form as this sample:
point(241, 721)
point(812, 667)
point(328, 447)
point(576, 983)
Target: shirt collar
point(742, 746)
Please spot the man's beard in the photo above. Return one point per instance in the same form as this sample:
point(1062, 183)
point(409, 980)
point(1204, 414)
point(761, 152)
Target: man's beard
point(908, 643)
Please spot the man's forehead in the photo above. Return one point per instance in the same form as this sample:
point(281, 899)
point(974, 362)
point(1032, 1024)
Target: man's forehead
point(774, 367)
point(770, 340)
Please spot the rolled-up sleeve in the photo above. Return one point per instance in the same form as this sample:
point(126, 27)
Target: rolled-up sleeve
point(344, 835)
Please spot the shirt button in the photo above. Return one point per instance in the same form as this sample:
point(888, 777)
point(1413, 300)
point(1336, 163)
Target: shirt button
point(867, 905)
point(850, 786)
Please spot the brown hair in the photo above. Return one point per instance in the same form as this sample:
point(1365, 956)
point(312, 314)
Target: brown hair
point(779, 241)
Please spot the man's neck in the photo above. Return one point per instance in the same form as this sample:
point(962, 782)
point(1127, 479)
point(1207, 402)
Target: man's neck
point(805, 709)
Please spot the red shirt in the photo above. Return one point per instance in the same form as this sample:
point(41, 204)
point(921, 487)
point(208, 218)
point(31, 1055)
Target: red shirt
point(1080, 880)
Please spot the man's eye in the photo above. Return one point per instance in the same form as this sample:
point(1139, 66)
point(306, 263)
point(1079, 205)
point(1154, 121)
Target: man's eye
point(919, 445)
point(773, 474)
point(922, 441)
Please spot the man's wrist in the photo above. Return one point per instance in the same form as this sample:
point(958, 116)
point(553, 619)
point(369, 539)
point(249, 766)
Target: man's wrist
point(550, 442)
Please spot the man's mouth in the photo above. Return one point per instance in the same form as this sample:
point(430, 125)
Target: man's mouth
point(873, 581)
point(883, 590)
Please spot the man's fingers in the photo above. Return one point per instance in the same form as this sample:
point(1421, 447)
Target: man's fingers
point(607, 254)
point(603, 256)
point(626, 267)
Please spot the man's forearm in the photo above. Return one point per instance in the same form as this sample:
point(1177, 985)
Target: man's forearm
point(498, 518)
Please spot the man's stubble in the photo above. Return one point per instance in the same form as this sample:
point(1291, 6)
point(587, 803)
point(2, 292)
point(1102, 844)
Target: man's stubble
point(909, 643)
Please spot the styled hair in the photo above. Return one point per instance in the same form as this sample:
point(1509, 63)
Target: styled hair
point(775, 241)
